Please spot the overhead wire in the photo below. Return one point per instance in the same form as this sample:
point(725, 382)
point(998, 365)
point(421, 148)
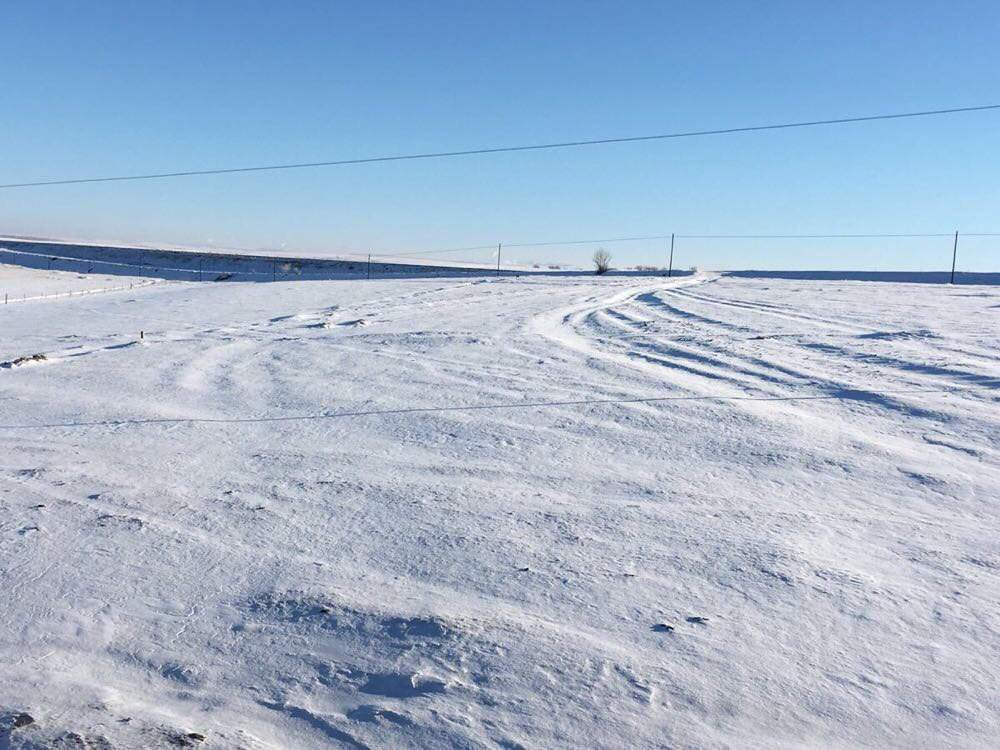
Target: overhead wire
point(501, 149)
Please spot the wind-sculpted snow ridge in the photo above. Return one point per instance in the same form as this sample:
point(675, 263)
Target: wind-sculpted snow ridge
point(504, 513)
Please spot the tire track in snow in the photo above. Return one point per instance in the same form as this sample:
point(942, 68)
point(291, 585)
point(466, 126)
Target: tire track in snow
point(790, 349)
point(774, 310)
point(810, 371)
point(851, 330)
point(573, 327)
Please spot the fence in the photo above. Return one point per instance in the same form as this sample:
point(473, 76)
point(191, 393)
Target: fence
point(933, 258)
point(929, 254)
point(182, 265)
point(25, 297)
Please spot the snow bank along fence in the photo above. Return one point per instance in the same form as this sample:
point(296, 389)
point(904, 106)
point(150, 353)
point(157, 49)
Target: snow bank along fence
point(25, 297)
point(184, 265)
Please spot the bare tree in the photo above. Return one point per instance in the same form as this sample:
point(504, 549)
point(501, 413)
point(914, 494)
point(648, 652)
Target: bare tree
point(602, 261)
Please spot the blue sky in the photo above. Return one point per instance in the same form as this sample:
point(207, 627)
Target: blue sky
point(111, 88)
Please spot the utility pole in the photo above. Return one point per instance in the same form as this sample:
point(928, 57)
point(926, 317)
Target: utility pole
point(499, 245)
point(954, 254)
point(670, 268)
point(369, 265)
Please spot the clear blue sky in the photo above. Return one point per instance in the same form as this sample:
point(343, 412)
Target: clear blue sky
point(123, 87)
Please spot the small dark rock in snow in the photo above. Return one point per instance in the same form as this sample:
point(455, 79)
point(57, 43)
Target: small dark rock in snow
point(697, 620)
point(523, 570)
point(184, 740)
point(23, 720)
point(662, 627)
point(23, 361)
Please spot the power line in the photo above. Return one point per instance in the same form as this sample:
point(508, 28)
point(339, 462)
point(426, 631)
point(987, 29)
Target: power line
point(824, 236)
point(560, 243)
point(540, 244)
point(804, 236)
point(448, 250)
point(503, 149)
point(741, 237)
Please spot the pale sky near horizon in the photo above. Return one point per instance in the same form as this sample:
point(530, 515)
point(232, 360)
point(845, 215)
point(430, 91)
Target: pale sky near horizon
point(121, 88)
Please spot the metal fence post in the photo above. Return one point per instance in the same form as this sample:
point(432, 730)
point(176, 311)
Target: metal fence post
point(954, 254)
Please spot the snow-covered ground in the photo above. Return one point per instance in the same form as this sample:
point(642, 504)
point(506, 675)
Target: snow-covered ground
point(502, 513)
point(20, 284)
point(211, 265)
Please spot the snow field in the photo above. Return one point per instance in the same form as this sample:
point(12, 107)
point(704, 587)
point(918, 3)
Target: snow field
point(538, 512)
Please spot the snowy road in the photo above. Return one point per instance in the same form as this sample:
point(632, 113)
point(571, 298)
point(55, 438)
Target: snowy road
point(539, 513)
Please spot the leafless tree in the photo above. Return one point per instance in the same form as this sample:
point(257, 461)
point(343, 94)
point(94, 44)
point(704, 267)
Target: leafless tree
point(602, 261)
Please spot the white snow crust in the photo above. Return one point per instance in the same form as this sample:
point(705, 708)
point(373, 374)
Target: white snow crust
point(558, 512)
